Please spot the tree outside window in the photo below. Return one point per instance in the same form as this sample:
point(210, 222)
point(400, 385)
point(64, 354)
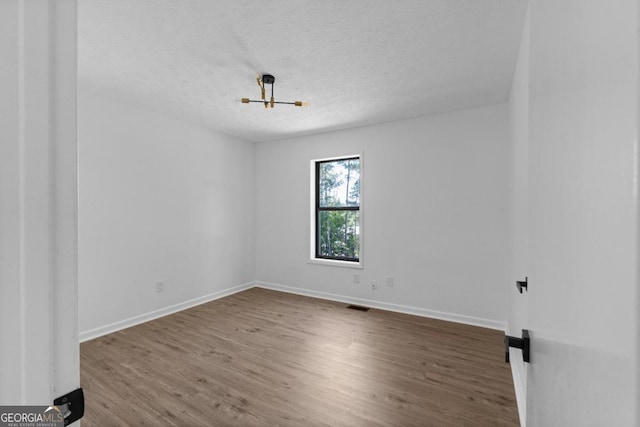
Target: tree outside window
point(338, 209)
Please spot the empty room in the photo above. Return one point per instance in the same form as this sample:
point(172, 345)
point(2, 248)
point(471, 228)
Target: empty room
point(322, 213)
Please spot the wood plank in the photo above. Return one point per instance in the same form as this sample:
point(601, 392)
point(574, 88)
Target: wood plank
point(266, 358)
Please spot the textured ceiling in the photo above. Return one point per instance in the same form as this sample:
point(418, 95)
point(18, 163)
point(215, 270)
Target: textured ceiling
point(358, 62)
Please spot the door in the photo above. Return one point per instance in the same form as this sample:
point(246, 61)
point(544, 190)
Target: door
point(39, 355)
point(582, 207)
point(517, 315)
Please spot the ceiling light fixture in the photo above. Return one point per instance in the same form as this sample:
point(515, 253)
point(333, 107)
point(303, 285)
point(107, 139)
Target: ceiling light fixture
point(268, 79)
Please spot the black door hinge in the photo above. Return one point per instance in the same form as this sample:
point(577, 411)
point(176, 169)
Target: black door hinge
point(71, 405)
point(523, 285)
point(523, 343)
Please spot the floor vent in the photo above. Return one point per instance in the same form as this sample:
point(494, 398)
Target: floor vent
point(358, 307)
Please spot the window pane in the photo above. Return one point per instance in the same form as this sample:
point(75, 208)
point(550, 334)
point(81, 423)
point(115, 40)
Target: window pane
point(339, 234)
point(339, 183)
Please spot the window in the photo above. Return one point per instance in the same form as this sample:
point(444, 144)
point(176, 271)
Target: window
point(337, 221)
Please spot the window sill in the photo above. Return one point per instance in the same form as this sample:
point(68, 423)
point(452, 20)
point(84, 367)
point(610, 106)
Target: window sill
point(336, 263)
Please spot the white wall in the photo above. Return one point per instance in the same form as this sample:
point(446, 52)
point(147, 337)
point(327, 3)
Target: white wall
point(160, 200)
point(579, 128)
point(435, 206)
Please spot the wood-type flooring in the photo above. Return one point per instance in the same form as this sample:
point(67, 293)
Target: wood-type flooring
point(267, 358)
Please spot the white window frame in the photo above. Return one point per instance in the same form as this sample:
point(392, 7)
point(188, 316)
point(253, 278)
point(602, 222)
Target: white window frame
point(312, 216)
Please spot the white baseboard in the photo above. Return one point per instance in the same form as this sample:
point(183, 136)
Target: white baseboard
point(142, 318)
point(416, 311)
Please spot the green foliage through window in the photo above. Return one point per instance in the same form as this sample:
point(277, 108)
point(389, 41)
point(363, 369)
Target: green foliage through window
point(338, 209)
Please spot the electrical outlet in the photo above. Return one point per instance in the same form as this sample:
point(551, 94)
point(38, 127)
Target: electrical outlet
point(390, 282)
point(159, 286)
point(374, 285)
point(356, 278)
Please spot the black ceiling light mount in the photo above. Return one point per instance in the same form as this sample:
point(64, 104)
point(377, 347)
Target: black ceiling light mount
point(268, 79)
